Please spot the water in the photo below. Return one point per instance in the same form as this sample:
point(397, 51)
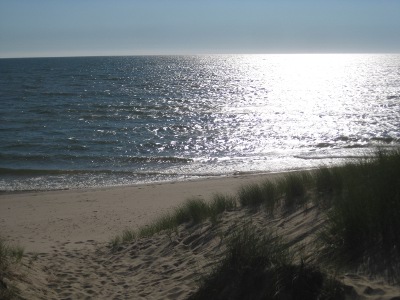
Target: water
point(103, 121)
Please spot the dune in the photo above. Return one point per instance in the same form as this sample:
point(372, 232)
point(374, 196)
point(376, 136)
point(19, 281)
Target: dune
point(66, 237)
point(45, 220)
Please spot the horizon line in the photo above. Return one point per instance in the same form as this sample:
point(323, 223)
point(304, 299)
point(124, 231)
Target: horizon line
point(195, 54)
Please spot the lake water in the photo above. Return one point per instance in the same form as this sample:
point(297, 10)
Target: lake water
point(105, 121)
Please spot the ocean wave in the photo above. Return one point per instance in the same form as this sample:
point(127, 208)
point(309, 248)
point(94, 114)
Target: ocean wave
point(56, 94)
point(386, 140)
point(78, 172)
point(116, 159)
point(27, 172)
point(329, 156)
point(356, 146)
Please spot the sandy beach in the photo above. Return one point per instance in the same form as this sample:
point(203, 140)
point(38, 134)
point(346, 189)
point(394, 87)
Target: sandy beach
point(65, 235)
point(41, 221)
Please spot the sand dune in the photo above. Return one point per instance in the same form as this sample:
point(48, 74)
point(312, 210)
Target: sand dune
point(41, 221)
point(67, 262)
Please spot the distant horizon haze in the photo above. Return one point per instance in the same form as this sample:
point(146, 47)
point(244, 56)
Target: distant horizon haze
point(46, 28)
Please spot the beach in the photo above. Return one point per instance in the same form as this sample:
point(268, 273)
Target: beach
point(66, 236)
point(42, 221)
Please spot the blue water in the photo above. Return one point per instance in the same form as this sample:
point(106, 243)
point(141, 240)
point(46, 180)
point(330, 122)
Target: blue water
point(103, 121)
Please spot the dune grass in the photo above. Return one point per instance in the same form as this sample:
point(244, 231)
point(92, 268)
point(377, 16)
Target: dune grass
point(258, 265)
point(251, 195)
point(9, 255)
point(193, 211)
point(361, 199)
point(294, 187)
point(270, 195)
point(364, 220)
point(290, 190)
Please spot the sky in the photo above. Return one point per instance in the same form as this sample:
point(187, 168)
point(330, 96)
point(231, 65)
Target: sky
point(44, 28)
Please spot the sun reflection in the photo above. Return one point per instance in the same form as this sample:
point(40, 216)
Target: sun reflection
point(304, 99)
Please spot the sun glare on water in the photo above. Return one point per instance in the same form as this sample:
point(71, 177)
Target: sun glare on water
point(306, 99)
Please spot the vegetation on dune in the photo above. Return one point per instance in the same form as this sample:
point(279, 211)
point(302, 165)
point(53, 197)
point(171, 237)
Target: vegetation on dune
point(259, 265)
point(288, 192)
point(251, 195)
point(294, 187)
point(9, 255)
point(362, 201)
point(193, 211)
point(364, 219)
point(362, 204)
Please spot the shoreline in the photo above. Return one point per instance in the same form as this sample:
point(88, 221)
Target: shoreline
point(167, 179)
point(41, 221)
point(189, 178)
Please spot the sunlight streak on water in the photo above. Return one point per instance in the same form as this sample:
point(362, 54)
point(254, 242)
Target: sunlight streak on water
point(176, 117)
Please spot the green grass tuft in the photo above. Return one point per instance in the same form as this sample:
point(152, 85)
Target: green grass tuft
point(219, 204)
point(193, 211)
point(327, 180)
point(294, 186)
point(9, 255)
point(128, 235)
point(251, 195)
point(365, 217)
point(270, 193)
point(167, 222)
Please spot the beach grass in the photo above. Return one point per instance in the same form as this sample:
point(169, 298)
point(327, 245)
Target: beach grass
point(251, 195)
point(259, 265)
point(294, 187)
point(270, 195)
point(219, 204)
point(291, 190)
point(361, 197)
point(364, 219)
point(361, 200)
point(9, 255)
point(193, 211)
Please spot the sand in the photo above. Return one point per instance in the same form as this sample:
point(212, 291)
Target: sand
point(66, 235)
point(42, 221)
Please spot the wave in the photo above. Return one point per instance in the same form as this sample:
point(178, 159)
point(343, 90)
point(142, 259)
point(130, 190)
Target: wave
point(387, 140)
point(26, 172)
point(330, 156)
point(89, 158)
point(357, 142)
point(56, 94)
point(88, 172)
point(157, 159)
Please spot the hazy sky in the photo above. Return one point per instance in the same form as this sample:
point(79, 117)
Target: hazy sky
point(122, 27)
